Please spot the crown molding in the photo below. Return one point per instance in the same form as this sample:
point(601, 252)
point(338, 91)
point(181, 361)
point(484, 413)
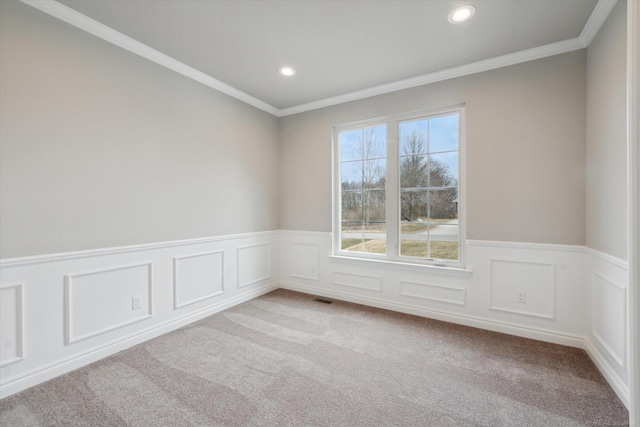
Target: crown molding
point(438, 76)
point(597, 18)
point(91, 26)
point(83, 22)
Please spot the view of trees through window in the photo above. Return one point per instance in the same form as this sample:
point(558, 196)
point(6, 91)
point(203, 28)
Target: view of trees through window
point(363, 173)
point(427, 188)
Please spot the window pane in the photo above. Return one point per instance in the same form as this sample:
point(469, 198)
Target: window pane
point(351, 175)
point(444, 240)
point(352, 206)
point(374, 143)
point(443, 205)
point(444, 133)
point(413, 247)
point(351, 235)
point(375, 238)
point(413, 137)
point(351, 145)
point(413, 206)
point(424, 191)
point(443, 170)
point(375, 206)
point(373, 174)
point(414, 171)
point(369, 237)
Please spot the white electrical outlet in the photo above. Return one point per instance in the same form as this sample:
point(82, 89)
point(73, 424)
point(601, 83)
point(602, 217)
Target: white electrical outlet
point(522, 297)
point(136, 303)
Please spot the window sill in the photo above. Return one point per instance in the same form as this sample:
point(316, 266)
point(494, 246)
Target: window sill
point(400, 265)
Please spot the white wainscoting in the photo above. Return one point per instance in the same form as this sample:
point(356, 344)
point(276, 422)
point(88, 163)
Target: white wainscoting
point(484, 295)
point(197, 277)
point(96, 301)
point(254, 264)
point(607, 336)
point(534, 281)
point(63, 311)
point(573, 295)
point(11, 323)
point(448, 294)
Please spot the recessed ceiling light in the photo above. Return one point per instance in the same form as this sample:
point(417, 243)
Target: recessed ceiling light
point(287, 71)
point(461, 14)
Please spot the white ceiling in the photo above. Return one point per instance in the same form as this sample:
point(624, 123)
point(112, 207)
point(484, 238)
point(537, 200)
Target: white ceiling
point(339, 47)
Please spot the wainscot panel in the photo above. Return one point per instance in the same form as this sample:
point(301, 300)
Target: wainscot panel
point(63, 311)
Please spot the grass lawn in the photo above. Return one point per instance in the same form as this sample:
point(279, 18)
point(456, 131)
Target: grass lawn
point(376, 246)
point(348, 243)
point(439, 250)
point(419, 227)
point(412, 248)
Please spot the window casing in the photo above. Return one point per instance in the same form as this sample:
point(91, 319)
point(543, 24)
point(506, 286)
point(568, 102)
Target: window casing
point(399, 188)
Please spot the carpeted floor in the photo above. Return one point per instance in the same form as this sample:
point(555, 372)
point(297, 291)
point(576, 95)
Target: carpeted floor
point(286, 360)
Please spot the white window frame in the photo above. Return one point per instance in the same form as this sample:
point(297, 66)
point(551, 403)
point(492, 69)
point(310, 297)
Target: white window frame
point(393, 189)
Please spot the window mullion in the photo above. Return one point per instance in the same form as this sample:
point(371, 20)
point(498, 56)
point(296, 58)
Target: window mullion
point(392, 191)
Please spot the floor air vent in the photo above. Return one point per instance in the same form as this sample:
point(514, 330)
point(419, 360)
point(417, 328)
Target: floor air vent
point(322, 300)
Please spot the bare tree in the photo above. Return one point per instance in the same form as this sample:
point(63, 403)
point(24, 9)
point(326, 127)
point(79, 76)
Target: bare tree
point(413, 176)
point(420, 172)
point(363, 199)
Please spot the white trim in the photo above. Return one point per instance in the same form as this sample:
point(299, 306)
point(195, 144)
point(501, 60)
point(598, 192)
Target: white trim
point(427, 285)
point(353, 285)
point(83, 22)
point(66, 256)
point(603, 366)
point(317, 264)
point(68, 283)
point(91, 26)
point(619, 262)
point(405, 266)
point(438, 76)
point(261, 279)
point(326, 234)
point(633, 203)
point(597, 18)
point(552, 316)
point(57, 368)
point(620, 359)
point(20, 335)
point(526, 245)
point(176, 260)
point(510, 328)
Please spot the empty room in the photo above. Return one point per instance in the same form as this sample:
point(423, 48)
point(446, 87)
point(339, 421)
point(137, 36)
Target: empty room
point(318, 213)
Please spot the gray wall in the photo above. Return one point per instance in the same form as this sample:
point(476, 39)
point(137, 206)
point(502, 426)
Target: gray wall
point(101, 148)
point(606, 158)
point(525, 150)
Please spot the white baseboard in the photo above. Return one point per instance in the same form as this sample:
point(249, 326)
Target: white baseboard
point(476, 322)
point(52, 370)
point(621, 389)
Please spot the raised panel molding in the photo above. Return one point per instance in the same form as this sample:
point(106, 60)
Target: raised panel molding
point(609, 310)
point(304, 261)
point(108, 297)
point(439, 293)
point(11, 323)
point(197, 277)
point(536, 279)
point(254, 264)
point(361, 281)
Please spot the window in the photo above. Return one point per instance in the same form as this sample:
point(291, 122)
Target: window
point(398, 188)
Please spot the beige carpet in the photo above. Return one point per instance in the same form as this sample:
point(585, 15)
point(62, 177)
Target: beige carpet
point(286, 360)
